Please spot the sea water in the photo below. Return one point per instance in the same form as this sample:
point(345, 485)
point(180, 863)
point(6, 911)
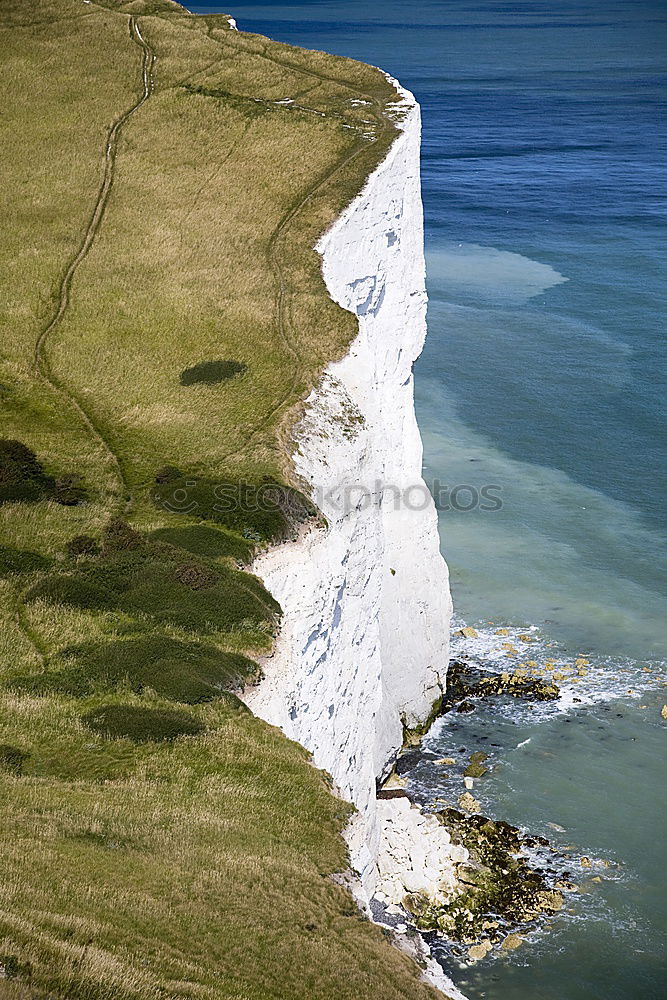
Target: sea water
point(543, 377)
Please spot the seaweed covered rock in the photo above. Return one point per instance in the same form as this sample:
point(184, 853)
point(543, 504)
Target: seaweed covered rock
point(498, 889)
point(466, 681)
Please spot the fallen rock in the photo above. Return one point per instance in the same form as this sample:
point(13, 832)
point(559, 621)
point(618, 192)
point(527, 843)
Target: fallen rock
point(394, 781)
point(466, 681)
point(550, 900)
point(478, 951)
point(468, 632)
point(511, 942)
point(475, 770)
point(470, 804)
point(663, 711)
point(566, 886)
point(466, 706)
point(496, 883)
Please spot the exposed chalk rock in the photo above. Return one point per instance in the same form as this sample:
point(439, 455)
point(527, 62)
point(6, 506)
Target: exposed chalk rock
point(364, 645)
point(363, 649)
point(415, 853)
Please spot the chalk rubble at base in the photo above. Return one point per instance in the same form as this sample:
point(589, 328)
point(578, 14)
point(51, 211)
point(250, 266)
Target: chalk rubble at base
point(366, 607)
point(415, 854)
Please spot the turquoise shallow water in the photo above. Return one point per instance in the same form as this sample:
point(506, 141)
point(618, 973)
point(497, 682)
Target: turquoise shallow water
point(543, 375)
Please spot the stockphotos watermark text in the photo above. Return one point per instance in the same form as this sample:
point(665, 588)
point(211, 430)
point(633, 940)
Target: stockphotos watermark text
point(343, 498)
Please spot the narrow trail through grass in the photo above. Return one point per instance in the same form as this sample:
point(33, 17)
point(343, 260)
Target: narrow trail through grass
point(282, 301)
point(41, 363)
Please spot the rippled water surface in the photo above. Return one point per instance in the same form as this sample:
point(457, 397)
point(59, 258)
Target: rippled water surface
point(544, 376)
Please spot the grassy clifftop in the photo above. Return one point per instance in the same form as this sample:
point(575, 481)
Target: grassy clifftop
point(165, 179)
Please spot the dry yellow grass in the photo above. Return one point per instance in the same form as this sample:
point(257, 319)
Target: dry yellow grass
point(198, 867)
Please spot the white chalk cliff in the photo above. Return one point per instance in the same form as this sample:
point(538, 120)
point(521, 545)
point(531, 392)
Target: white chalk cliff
point(363, 647)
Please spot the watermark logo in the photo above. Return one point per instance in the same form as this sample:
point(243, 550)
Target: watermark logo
point(193, 496)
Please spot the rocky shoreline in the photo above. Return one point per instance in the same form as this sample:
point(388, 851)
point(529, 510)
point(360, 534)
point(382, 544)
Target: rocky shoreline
point(473, 884)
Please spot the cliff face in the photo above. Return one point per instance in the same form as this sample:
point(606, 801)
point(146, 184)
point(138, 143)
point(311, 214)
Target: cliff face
point(364, 642)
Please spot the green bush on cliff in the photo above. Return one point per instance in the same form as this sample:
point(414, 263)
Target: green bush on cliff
point(202, 540)
point(268, 511)
point(176, 670)
point(153, 582)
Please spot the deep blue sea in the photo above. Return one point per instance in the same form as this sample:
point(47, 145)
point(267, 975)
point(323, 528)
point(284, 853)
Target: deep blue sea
point(545, 197)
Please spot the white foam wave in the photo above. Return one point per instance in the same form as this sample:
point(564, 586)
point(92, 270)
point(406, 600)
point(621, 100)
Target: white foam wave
point(581, 678)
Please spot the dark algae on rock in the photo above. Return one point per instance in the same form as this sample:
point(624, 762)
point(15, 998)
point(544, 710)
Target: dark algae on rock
point(500, 889)
point(509, 881)
point(466, 682)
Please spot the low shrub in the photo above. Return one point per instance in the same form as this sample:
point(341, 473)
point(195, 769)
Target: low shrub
point(82, 545)
point(212, 372)
point(141, 725)
point(201, 540)
point(267, 511)
point(22, 476)
point(187, 672)
point(196, 576)
point(118, 536)
point(12, 759)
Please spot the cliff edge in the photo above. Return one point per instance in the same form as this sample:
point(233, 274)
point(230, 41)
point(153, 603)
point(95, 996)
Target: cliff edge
point(363, 649)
